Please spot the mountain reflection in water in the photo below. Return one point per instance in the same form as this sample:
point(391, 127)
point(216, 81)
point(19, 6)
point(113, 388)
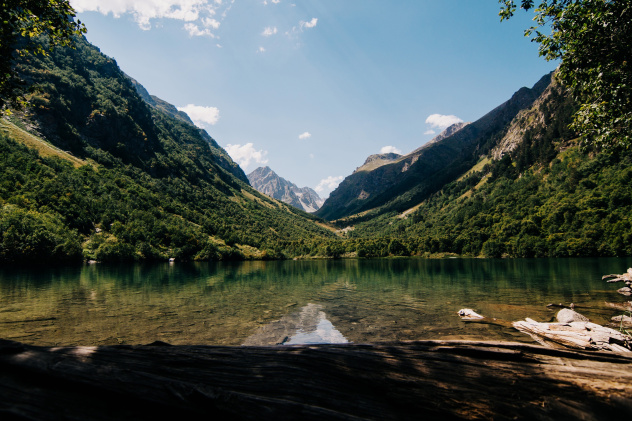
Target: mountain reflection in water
point(304, 327)
point(289, 302)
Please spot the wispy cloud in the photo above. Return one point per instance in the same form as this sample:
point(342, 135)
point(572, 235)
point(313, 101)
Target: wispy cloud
point(302, 25)
point(390, 149)
point(327, 185)
point(305, 135)
point(439, 121)
point(311, 24)
point(201, 115)
point(269, 31)
point(244, 155)
point(261, 50)
point(199, 15)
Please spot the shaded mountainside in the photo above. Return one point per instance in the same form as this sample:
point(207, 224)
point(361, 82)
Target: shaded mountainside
point(408, 181)
point(536, 193)
point(111, 173)
point(266, 181)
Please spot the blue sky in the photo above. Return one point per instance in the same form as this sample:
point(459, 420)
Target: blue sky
point(311, 88)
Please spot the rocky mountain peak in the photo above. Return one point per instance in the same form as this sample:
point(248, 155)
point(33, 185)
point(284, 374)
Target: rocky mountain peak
point(266, 181)
point(376, 160)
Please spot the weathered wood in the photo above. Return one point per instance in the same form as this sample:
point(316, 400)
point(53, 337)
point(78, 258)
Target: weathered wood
point(625, 277)
point(417, 380)
point(573, 330)
point(470, 316)
point(581, 335)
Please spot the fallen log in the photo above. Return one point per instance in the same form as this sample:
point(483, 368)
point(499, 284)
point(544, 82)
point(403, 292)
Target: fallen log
point(580, 335)
point(428, 379)
point(625, 277)
point(572, 330)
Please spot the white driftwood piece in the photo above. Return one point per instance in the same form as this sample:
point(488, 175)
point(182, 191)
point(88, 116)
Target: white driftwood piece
point(469, 314)
point(625, 277)
point(578, 335)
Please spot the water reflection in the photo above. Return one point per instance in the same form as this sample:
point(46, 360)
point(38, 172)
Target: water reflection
point(307, 326)
point(350, 300)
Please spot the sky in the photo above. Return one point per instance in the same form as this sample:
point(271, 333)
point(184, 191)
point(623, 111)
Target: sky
point(311, 88)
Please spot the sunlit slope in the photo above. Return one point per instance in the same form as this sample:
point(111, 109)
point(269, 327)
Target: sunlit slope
point(400, 185)
point(157, 187)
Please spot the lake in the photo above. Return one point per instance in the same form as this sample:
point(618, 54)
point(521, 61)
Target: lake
point(292, 302)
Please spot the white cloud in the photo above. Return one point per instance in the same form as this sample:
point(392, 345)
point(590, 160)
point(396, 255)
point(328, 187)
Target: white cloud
point(312, 23)
point(201, 115)
point(431, 132)
point(211, 23)
point(245, 154)
point(198, 13)
point(269, 31)
point(305, 135)
point(195, 31)
point(302, 25)
point(390, 149)
point(438, 121)
point(327, 185)
point(261, 50)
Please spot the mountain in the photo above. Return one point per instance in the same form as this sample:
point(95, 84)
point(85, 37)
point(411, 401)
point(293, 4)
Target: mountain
point(97, 168)
point(266, 181)
point(407, 181)
point(533, 192)
point(377, 160)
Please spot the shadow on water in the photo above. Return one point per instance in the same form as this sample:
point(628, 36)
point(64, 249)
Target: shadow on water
point(226, 303)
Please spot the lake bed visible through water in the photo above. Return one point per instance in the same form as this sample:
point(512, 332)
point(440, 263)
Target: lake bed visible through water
point(296, 302)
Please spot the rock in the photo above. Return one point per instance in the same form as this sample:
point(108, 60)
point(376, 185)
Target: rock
point(567, 315)
point(623, 321)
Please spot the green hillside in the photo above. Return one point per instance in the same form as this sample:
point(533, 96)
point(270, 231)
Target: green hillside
point(92, 170)
point(546, 197)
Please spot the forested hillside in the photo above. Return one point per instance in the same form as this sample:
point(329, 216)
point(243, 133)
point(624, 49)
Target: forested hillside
point(544, 196)
point(127, 180)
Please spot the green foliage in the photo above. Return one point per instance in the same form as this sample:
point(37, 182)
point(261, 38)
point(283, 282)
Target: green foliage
point(28, 236)
point(534, 202)
point(24, 21)
point(123, 214)
point(593, 39)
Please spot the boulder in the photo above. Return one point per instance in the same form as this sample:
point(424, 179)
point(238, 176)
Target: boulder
point(566, 315)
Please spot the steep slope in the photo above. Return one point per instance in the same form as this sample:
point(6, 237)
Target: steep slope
point(377, 160)
point(154, 186)
point(266, 181)
point(535, 194)
point(408, 181)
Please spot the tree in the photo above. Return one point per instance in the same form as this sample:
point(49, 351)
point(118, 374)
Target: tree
point(593, 39)
point(23, 23)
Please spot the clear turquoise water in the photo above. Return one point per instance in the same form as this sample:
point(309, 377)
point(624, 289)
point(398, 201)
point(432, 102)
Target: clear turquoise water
point(296, 301)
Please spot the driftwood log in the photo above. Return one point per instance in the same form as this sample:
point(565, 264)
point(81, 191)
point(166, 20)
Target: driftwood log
point(572, 330)
point(418, 380)
point(625, 278)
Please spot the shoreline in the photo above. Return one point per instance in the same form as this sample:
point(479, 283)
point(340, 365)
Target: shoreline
point(403, 380)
